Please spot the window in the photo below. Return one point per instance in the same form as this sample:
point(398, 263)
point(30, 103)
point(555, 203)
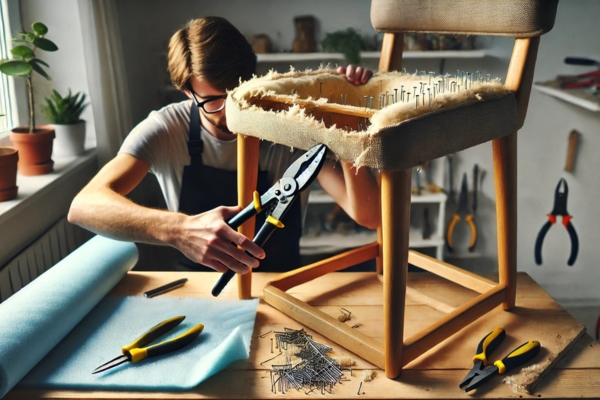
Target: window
point(5, 107)
point(13, 96)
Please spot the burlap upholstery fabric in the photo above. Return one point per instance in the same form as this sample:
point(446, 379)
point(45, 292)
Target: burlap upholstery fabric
point(399, 136)
point(513, 18)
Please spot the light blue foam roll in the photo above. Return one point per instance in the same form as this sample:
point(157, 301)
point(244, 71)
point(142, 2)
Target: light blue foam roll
point(35, 319)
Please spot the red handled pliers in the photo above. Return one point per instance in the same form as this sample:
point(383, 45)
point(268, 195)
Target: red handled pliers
point(560, 208)
point(578, 81)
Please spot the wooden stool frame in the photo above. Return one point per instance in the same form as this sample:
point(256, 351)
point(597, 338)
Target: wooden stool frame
point(392, 248)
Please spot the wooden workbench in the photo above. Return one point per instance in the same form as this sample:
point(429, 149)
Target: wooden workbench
point(434, 375)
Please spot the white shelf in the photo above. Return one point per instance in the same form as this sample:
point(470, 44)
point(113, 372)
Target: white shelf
point(436, 54)
point(580, 97)
point(322, 197)
point(332, 242)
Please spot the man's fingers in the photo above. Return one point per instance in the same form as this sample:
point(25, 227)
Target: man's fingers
point(356, 75)
point(222, 263)
point(350, 72)
point(229, 212)
point(367, 74)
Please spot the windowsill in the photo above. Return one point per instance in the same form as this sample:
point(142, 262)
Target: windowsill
point(32, 189)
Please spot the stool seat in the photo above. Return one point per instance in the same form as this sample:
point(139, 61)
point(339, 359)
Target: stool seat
point(380, 124)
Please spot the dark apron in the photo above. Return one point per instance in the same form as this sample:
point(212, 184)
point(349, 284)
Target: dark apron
point(204, 188)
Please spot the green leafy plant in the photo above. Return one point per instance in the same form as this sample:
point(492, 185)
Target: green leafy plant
point(348, 42)
point(25, 61)
point(64, 110)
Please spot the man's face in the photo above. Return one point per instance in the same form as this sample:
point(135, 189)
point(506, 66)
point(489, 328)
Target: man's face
point(214, 123)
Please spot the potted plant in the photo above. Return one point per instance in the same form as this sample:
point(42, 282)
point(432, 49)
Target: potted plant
point(348, 42)
point(34, 143)
point(64, 114)
point(8, 172)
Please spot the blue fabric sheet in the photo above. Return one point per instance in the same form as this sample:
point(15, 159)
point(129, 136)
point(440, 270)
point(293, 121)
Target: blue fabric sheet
point(115, 322)
point(40, 315)
point(57, 329)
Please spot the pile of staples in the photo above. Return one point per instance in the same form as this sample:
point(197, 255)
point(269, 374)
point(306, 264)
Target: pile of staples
point(307, 365)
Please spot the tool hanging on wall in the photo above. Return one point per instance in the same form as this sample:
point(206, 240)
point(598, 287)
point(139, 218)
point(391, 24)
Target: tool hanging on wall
point(589, 79)
point(417, 189)
point(560, 208)
point(475, 188)
point(450, 190)
point(464, 213)
point(433, 188)
point(571, 150)
point(426, 224)
point(580, 61)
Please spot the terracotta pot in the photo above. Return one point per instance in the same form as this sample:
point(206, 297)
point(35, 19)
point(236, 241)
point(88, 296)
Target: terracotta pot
point(35, 149)
point(69, 140)
point(8, 173)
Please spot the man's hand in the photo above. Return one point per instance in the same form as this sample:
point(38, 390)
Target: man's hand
point(206, 239)
point(356, 75)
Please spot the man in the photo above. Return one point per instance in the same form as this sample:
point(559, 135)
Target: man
point(193, 155)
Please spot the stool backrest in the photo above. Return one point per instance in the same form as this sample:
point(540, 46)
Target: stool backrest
point(525, 20)
point(514, 18)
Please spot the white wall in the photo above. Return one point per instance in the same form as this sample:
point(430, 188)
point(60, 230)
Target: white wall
point(542, 156)
point(146, 26)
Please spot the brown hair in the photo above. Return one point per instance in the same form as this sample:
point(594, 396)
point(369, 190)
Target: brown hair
point(210, 49)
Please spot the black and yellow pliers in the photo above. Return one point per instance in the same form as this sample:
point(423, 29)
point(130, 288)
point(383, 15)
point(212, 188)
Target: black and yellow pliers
point(135, 351)
point(464, 213)
point(479, 373)
point(277, 201)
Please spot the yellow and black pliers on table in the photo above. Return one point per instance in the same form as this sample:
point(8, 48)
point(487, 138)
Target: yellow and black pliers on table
point(135, 351)
point(462, 212)
point(480, 373)
point(277, 201)
point(560, 208)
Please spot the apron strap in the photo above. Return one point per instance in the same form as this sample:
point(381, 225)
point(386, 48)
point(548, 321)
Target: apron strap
point(195, 143)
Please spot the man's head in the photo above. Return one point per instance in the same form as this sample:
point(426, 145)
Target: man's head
point(212, 50)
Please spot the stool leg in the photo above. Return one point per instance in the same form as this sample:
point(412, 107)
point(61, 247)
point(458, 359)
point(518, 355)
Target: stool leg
point(395, 211)
point(379, 258)
point(247, 154)
point(505, 178)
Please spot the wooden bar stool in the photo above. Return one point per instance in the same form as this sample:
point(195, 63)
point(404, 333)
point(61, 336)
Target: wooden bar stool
point(257, 109)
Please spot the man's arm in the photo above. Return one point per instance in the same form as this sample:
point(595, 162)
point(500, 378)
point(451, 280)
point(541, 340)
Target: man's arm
point(355, 191)
point(102, 207)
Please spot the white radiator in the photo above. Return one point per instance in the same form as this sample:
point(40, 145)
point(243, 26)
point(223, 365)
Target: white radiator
point(51, 247)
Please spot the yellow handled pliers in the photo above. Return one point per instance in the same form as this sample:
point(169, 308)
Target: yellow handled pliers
point(462, 212)
point(480, 372)
point(135, 351)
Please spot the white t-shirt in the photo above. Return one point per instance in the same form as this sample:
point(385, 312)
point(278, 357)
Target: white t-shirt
point(161, 141)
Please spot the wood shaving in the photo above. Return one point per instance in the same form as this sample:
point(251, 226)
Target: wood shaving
point(345, 362)
point(521, 382)
point(344, 316)
point(368, 375)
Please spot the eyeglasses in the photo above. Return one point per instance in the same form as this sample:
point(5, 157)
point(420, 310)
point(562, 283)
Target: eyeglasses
point(212, 104)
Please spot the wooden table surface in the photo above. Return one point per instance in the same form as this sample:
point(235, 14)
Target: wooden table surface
point(434, 375)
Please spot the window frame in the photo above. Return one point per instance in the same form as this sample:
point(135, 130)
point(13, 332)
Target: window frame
point(13, 97)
